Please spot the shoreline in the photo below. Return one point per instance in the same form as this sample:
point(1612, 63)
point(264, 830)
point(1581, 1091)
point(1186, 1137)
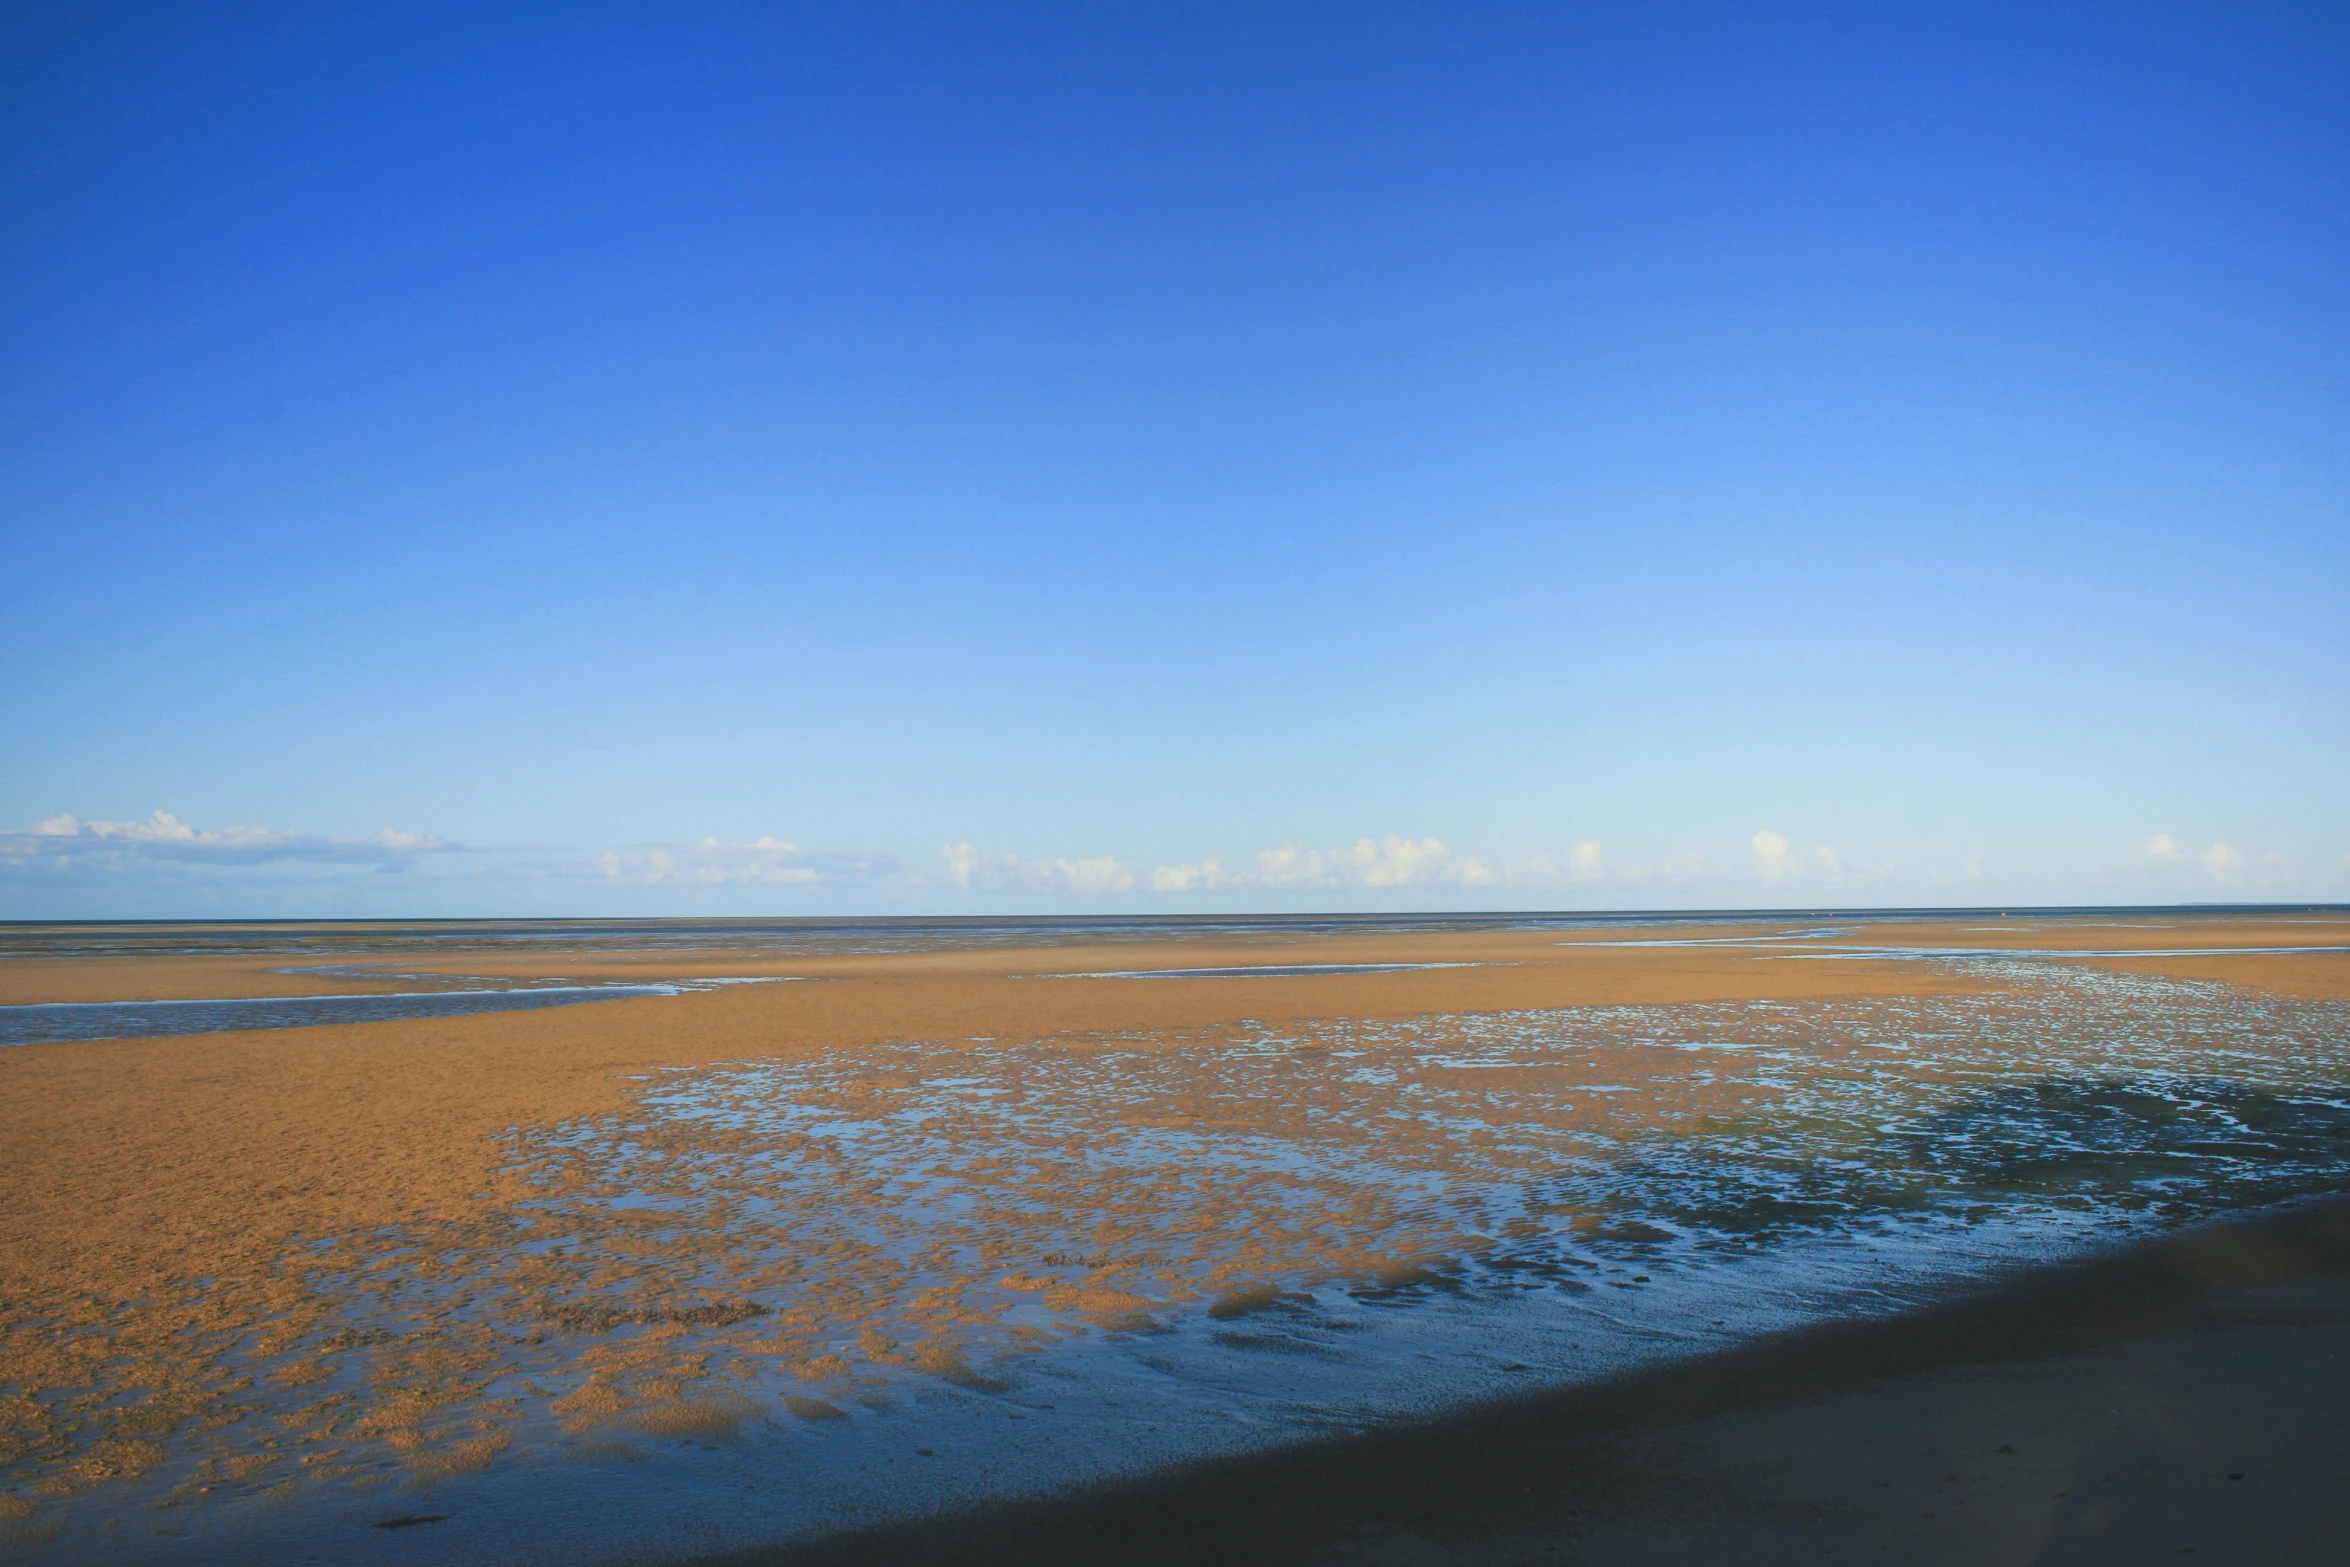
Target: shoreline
point(2187, 1395)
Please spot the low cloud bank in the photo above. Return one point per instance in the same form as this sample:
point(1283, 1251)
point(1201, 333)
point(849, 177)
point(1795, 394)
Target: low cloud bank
point(166, 863)
point(1397, 862)
point(163, 864)
point(163, 837)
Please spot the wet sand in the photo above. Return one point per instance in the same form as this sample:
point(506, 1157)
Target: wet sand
point(206, 1152)
point(2185, 1400)
point(163, 1235)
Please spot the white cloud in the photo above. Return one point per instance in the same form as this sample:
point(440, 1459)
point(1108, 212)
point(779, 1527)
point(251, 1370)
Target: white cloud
point(162, 845)
point(1100, 874)
point(1429, 862)
point(1777, 860)
point(763, 862)
point(1206, 876)
point(2222, 863)
point(967, 867)
point(1389, 862)
point(124, 846)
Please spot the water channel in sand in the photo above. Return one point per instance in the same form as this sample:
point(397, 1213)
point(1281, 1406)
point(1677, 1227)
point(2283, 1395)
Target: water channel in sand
point(777, 1295)
point(44, 1022)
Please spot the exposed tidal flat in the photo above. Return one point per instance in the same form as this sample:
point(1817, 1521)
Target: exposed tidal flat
point(738, 1266)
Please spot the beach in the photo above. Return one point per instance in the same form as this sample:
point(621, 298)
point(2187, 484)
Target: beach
point(2189, 1398)
point(267, 1284)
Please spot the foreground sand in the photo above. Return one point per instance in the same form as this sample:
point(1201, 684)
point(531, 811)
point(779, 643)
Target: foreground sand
point(2185, 1401)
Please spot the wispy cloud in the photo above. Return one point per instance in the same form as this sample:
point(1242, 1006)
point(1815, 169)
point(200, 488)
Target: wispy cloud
point(163, 853)
point(2221, 864)
point(63, 841)
point(1585, 862)
point(968, 867)
point(763, 862)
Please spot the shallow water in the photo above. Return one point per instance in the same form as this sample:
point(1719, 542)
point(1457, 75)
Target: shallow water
point(45, 1022)
point(785, 1295)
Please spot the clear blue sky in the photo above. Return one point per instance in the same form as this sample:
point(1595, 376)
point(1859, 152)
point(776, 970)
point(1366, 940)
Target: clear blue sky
point(519, 458)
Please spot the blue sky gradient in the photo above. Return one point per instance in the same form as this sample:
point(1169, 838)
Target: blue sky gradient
point(947, 458)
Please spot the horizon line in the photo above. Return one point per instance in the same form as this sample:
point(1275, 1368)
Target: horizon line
point(1463, 916)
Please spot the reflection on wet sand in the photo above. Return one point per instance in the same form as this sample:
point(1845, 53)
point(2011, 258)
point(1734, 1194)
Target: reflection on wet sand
point(53, 1021)
point(815, 1203)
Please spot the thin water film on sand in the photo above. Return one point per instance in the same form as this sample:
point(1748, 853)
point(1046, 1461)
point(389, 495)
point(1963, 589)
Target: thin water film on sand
point(42, 1022)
